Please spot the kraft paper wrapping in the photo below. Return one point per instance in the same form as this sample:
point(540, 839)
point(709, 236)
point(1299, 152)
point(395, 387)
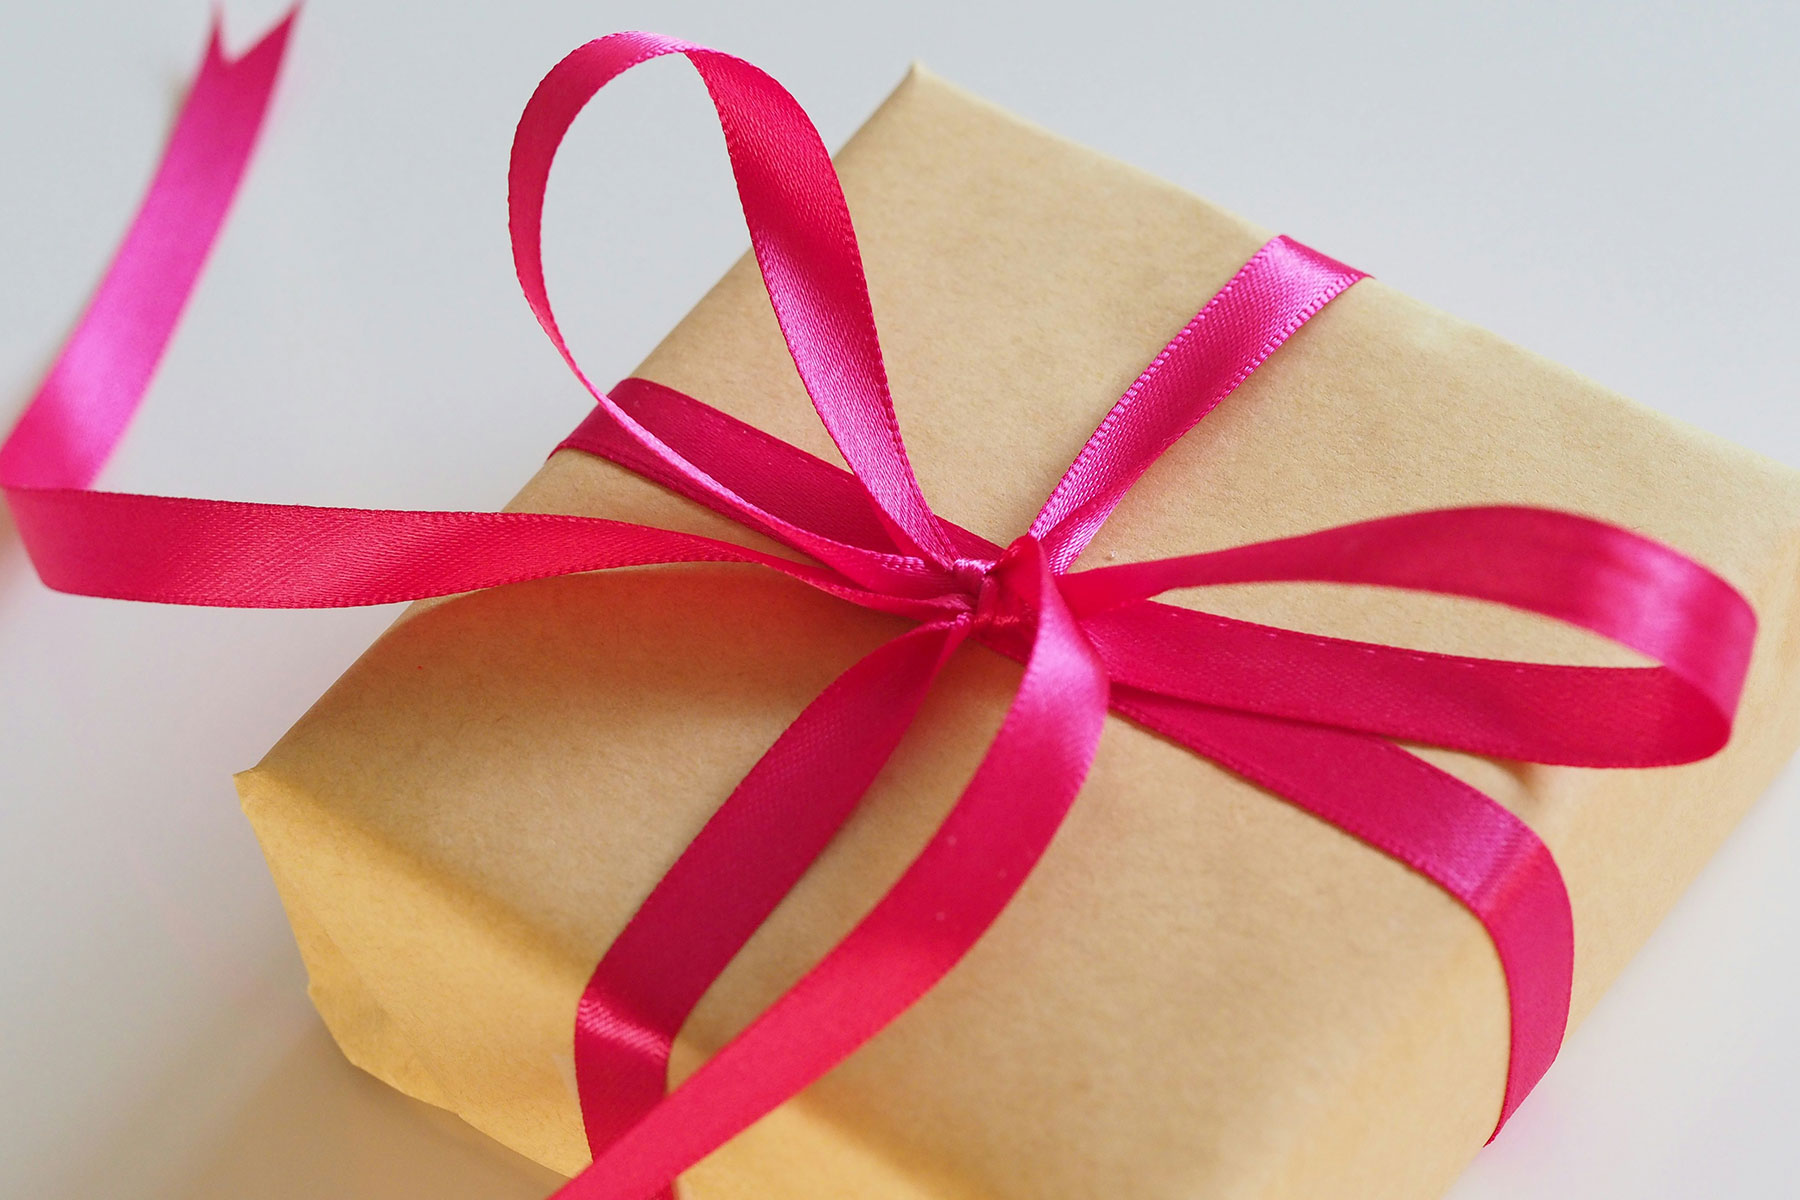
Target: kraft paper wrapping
point(1201, 991)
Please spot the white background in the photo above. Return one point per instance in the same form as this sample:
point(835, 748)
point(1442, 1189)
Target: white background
point(1612, 184)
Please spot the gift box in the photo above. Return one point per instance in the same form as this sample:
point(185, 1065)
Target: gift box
point(1201, 990)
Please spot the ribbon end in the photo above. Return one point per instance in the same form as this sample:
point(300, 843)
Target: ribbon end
point(269, 48)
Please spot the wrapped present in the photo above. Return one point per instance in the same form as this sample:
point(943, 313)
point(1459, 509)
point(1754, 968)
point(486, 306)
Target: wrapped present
point(1201, 988)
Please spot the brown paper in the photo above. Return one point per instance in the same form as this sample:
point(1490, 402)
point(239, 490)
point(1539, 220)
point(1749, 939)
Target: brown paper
point(1201, 991)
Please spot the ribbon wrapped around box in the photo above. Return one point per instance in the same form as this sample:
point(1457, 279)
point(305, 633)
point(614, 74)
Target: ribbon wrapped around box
point(796, 815)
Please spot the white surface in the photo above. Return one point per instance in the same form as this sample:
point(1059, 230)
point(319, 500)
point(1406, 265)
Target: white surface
point(1613, 185)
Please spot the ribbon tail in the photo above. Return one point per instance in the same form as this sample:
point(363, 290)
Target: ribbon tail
point(916, 933)
point(1455, 836)
point(749, 856)
point(92, 390)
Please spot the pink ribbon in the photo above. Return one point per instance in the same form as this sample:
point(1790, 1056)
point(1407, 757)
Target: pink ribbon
point(1306, 717)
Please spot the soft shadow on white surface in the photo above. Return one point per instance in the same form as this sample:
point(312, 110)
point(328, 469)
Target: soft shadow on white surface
point(1685, 1079)
point(270, 1110)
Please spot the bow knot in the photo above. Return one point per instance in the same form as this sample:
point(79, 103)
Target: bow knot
point(968, 579)
point(990, 593)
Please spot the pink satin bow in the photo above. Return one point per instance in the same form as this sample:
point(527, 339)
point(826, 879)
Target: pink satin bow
point(1306, 717)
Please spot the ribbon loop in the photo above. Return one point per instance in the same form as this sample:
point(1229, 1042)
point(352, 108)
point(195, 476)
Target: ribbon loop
point(804, 243)
point(1616, 583)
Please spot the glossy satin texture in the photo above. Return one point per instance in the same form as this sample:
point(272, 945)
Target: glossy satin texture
point(1307, 717)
